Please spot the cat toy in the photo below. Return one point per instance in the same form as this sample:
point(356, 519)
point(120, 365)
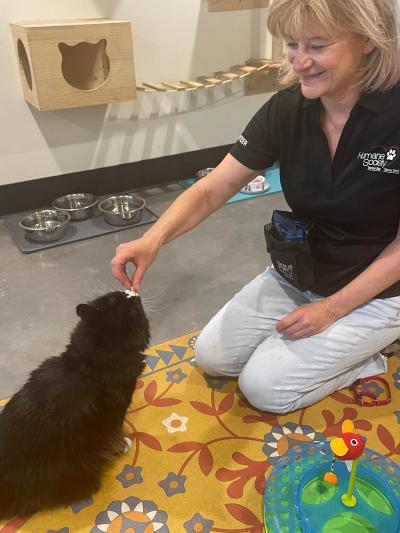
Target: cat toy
point(348, 447)
point(333, 486)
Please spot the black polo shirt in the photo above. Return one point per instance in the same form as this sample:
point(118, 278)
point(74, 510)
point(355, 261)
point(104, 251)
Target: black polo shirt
point(354, 200)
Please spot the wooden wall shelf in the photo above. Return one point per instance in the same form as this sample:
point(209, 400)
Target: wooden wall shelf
point(231, 5)
point(260, 76)
point(75, 63)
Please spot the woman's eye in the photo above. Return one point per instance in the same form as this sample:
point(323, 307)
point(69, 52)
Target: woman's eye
point(318, 46)
point(292, 46)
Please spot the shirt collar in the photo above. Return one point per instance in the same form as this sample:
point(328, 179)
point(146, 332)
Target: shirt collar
point(308, 102)
point(372, 101)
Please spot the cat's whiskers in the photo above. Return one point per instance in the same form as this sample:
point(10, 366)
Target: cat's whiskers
point(153, 309)
point(147, 298)
point(105, 287)
point(98, 291)
point(100, 287)
point(152, 296)
point(149, 304)
point(150, 309)
point(151, 313)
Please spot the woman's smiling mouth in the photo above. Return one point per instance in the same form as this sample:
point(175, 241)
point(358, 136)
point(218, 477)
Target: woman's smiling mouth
point(311, 77)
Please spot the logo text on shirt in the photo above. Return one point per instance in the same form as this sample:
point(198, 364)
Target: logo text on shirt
point(380, 159)
point(243, 140)
point(286, 269)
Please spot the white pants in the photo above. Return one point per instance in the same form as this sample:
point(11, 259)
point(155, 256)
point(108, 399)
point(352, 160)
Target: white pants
point(278, 374)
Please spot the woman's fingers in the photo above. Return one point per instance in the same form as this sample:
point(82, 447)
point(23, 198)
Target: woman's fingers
point(118, 264)
point(119, 272)
point(141, 254)
point(137, 277)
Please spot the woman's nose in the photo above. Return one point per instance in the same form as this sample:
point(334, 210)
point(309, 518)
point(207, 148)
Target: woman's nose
point(301, 60)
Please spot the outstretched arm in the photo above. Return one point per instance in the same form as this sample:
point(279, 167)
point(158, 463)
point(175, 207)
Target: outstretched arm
point(189, 209)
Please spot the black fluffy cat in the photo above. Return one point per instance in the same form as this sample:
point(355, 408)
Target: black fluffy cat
point(59, 431)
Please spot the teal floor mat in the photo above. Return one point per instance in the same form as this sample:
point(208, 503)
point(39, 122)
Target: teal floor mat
point(271, 174)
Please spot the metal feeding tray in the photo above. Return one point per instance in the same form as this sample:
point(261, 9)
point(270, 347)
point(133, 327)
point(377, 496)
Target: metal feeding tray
point(75, 230)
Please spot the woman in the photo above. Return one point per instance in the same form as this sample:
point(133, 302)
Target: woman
point(336, 135)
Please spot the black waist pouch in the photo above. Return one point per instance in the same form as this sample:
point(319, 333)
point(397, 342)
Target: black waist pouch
point(288, 243)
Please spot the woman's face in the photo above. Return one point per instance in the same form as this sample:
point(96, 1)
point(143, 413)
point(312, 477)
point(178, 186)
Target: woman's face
point(328, 67)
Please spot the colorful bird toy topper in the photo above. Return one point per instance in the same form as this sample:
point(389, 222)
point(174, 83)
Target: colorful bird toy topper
point(349, 446)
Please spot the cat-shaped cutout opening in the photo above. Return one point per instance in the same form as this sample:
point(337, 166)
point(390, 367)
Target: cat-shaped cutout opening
point(85, 66)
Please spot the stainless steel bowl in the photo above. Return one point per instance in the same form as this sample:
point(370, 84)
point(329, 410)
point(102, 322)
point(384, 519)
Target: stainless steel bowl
point(79, 205)
point(203, 172)
point(45, 225)
point(123, 209)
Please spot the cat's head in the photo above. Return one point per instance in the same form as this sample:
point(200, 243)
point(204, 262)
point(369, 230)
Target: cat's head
point(119, 316)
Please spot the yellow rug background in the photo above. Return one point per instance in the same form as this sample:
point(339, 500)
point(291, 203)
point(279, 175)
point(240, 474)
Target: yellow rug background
point(201, 454)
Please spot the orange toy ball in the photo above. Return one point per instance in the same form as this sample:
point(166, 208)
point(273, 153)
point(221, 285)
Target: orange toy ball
point(331, 478)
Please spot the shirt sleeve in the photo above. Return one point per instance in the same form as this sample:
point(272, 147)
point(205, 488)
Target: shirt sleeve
point(256, 147)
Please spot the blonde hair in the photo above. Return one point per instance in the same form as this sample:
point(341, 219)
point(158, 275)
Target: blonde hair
point(378, 20)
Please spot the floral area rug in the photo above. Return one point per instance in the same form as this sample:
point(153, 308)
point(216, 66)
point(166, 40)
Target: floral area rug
point(201, 453)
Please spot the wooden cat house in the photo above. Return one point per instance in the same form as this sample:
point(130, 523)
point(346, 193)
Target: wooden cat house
point(75, 63)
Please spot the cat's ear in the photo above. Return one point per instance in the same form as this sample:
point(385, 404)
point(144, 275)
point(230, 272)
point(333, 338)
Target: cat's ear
point(87, 313)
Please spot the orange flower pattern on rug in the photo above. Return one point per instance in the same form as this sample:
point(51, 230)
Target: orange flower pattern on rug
point(201, 453)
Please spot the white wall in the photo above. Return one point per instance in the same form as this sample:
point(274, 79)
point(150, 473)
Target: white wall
point(173, 40)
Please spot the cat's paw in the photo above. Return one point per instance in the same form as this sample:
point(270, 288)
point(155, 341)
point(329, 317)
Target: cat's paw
point(128, 444)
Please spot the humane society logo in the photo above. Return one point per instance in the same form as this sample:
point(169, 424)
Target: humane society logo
point(380, 159)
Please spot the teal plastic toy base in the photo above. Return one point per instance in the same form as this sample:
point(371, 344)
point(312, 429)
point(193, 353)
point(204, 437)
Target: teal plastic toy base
point(298, 500)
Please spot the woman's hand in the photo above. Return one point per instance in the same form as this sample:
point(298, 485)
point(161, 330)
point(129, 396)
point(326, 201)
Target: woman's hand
point(139, 252)
point(307, 320)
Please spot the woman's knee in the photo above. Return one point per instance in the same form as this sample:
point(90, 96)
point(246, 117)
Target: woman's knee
point(263, 394)
point(205, 357)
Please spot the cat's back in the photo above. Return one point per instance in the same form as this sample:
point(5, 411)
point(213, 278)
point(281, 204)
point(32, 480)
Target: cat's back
point(55, 393)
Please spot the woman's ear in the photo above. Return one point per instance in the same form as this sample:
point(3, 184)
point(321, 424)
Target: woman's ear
point(87, 313)
point(368, 46)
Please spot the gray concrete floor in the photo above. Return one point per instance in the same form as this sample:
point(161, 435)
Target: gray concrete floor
point(192, 278)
